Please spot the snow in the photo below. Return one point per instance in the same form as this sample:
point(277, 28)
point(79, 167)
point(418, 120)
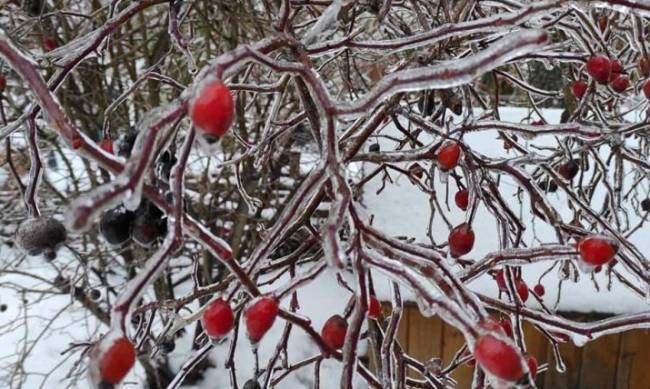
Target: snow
point(403, 209)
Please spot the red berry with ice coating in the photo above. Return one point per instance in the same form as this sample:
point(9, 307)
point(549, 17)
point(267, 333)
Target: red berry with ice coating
point(501, 280)
point(539, 290)
point(569, 169)
point(506, 326)
point(532, 365)
point(218, 319)
point(522, 290)
point(620, 83)
point(646, 89)
point(260, 316)
point(498, 357)
point(49, 43)
point(374, 308)
point(117, 361)
point(617, 69)
point(333, 332)
point(461, 240)
point(448, 156)
point(212, 110)
point(599, 67)
point(579, 89)
point(462, 199)
point(107, 145)
point(596, 250)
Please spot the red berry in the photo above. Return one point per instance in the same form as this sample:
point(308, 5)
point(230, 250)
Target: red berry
point(212, 110)
point(539, 290)
point(522, 290)
point(490, 324)
point(218, 319)
point(448, 156)
point(596, 250)
point(506, 326)
point(117, 361)
point(49, 43)
point(498, 358)
point(333, 332)
point(501, 280)
point(569, 169)
point(646, 89)
point(461, 240)
point(599, 67)
point(620, 83)
point(532, 365)
point(602, 23)
point(76, 142)
point(107, 145)
point(579, 89)
point(644, 65)
point(260, 316)
point(3, 83)
point(462, 199)
point(374, 308)
point(617, 69)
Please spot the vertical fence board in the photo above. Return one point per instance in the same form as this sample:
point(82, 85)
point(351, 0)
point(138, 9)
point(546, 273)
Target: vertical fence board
point(570, 379)
point(452, 341)
point(634, 361)
point(425, 337)
point(599, 359)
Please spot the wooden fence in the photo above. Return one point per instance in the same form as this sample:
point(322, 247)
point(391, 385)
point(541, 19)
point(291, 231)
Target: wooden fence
point(620, 361)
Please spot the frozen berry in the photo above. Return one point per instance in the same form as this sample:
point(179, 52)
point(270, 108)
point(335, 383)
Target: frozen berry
point(212, 110)
point(596, 250)
point(498, 357)
point(461, 240)
point(49, 43)
point(569, 169)
point(333, 332)
point(539, 290)
point(252, 384)
point(620, 83)
point(616, 69)
point(149, 224)
point(548, 185)
point(116, 225)
point(522, 290)
point(260, 317)
point(374, 308)
point(3, 307)
point(507, 327)
point(125, 143)
point(501, 280)
point(107, 145)
point(117, 361)
point(218, 319)
point(374, 148)
point(532, 365)
point(168, 346)
point(462, 199)
point(645, 204)
point(94, 294)
point(646, 89)
point(579, 89)
point(599, 67)
point(448, 156)
point(41, 235)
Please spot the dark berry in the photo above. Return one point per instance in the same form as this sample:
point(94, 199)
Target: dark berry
point(125, 143)
point(548, 185)
point(116, 225)
point(645, 204)
point(168, 346)
point(94, 294)
point(41, 235)
point(569, 169)
point(374, 148)
point(3, 307)
point(149, 224)
point(252, 384)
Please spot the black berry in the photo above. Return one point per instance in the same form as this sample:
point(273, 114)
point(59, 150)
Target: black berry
point(149, 224)
point(125, 143)
point(168, 346)
point(3, 307)
point(94, 294)
point(645, 204)
point(116, 225)
point(252, 384)
point(41, 235)
point(374, 148)
point(548, 185)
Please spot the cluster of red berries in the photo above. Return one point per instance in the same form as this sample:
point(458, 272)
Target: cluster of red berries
point(520, 285)
point(604, 71)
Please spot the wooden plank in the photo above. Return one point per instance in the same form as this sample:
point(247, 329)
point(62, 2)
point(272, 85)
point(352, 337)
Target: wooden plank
point(452, 341)
point(570, 379)
point(425, 338)
point(599, 359)
point(634, 361)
